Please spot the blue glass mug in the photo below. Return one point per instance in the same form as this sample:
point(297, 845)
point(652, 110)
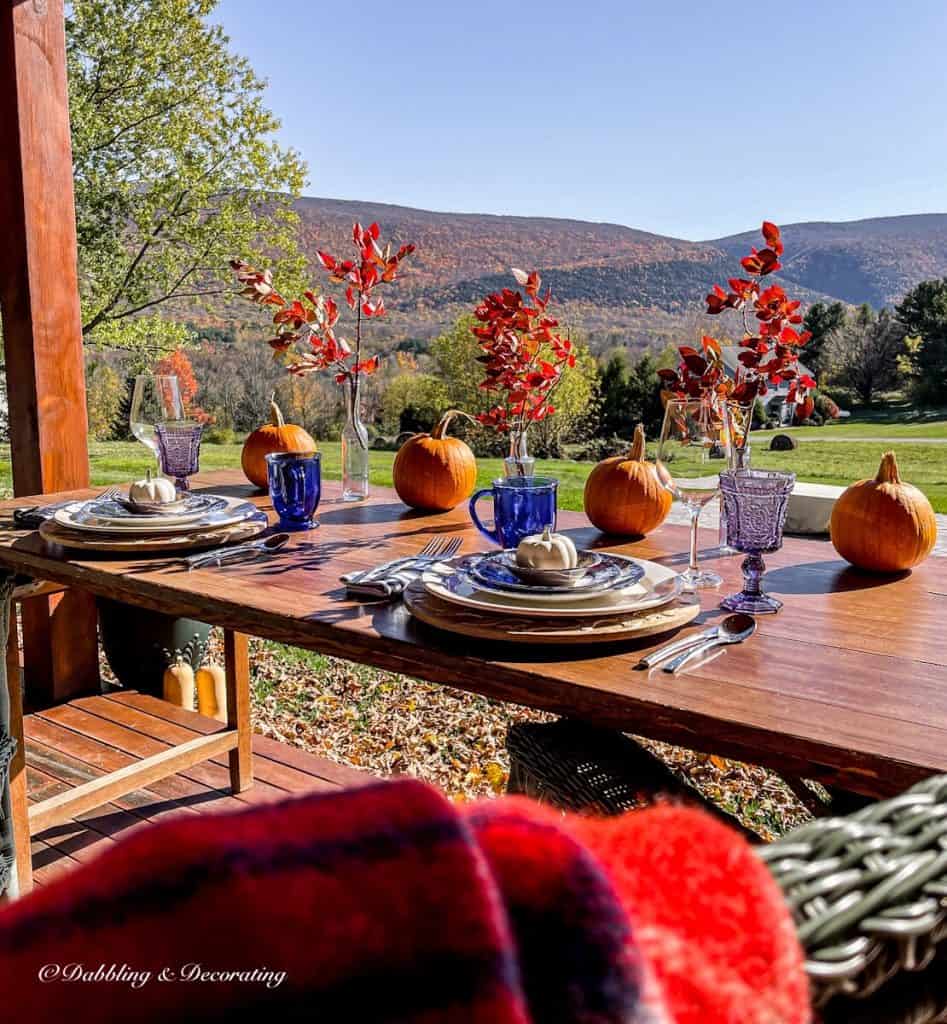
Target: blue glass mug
point(522, 505)
point(295, 482)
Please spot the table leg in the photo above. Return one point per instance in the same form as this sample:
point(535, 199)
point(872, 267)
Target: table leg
point(19, 802)
point(237, 669)
point(9, 883)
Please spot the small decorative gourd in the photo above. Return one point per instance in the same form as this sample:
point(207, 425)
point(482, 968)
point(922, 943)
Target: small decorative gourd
point(547, 550)
point(435, 472)
point(623, 494)
point(153, 490)
point(178, 683)
point(884, 524)
point(212, 692)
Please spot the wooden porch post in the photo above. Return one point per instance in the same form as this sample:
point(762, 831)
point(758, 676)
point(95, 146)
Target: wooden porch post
point(42, 335)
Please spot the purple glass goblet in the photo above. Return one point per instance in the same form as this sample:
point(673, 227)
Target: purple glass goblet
point(179, 450)
point(755, 504)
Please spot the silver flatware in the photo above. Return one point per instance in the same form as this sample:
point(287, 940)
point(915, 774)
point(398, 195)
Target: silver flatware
point(675, 647)
point(733, 630)
point(239, 552)
point(436, 550)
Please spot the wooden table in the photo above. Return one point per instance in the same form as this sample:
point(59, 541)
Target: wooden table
point(848, 684)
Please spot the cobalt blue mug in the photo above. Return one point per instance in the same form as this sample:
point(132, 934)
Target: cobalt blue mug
point(295, 480)
point(522, 505)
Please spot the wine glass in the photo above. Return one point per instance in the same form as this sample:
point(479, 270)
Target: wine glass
point(156, 399)
point(694, 447)
point(159, 420)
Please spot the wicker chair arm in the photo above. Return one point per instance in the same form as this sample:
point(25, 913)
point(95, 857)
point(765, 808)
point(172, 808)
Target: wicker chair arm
point(868, 891)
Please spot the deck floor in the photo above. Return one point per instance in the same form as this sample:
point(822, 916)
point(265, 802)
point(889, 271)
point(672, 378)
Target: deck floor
point(72, 743)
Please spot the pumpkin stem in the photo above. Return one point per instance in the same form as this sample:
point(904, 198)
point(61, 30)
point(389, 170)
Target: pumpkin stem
point(888, 472)
point(438, 432)
point(636, 451)
point(276, 414)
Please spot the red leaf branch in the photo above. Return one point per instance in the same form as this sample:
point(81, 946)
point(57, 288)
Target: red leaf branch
point(524, 356)
point(771, 339)
point(307, 327)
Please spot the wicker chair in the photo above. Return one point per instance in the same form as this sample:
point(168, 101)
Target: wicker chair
point(868, 891)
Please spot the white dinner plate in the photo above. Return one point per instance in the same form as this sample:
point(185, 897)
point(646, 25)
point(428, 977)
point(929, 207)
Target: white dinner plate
point(76, 517)
point(657, 587)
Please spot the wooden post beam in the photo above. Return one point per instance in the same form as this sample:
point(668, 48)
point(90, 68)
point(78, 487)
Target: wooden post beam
point(42, 332)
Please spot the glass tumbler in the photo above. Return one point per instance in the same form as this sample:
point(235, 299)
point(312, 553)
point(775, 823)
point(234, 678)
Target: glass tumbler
point(295, 482)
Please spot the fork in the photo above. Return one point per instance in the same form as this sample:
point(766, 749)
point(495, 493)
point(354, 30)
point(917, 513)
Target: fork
point(437, 549)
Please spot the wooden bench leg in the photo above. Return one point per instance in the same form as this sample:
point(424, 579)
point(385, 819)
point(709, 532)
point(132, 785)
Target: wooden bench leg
point(19, 805)
point(237, 669)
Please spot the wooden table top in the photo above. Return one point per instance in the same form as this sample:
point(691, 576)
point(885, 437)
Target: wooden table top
point(848, 683)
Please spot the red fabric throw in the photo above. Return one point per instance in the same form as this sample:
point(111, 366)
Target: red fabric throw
point(388, 903)
point(706, 914)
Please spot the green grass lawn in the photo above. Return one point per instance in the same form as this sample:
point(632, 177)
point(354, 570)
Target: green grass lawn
point(865, 428)
point(829, 462)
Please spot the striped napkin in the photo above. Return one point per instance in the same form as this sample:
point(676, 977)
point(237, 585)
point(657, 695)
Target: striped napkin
point(388, 581)
point(33, 516)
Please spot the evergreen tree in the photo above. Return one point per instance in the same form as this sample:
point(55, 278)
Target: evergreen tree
point(923, 315)
point(821, 319)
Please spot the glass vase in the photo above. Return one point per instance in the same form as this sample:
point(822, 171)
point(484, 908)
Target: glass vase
point(354, 448)
point(519, 462)
point(741, 419)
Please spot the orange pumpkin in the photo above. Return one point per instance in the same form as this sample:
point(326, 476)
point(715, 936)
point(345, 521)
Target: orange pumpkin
point(884, 524)
point(623, 494)
point(275, 436)
point(435, 472)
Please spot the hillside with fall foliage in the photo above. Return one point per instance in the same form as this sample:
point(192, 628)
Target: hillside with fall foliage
point(617, 284)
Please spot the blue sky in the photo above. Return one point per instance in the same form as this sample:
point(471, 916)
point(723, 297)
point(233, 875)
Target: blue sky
point(684, 117)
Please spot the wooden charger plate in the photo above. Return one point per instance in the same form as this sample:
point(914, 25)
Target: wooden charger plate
point(536, 630)
point(54, 533)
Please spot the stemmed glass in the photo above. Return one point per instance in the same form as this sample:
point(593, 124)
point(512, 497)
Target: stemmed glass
point(694, 435)
point(158, 419)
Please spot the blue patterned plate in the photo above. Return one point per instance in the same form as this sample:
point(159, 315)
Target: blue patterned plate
point(494, 573)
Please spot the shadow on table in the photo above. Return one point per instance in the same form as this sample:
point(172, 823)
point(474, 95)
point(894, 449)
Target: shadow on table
point(357, 514)
point(829, 577)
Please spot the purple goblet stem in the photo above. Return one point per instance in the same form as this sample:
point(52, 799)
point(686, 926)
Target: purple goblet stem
point(753, 568)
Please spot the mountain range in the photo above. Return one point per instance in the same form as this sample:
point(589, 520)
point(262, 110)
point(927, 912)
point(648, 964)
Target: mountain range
point(620, 285)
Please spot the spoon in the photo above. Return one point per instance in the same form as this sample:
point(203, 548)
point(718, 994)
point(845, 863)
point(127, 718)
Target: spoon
point(241, 552)
point(734, 629)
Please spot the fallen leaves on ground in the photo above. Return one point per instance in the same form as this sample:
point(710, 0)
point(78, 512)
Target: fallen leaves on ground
point(389, 724)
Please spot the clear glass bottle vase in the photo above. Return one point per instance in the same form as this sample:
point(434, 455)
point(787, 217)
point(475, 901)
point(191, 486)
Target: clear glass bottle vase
point(354, 447)
point(519, 462)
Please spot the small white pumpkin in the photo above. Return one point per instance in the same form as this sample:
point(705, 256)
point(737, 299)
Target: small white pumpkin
point(547, 550)
point(153, 490)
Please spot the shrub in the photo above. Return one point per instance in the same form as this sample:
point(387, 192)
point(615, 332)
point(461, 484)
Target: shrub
point(219, 435)
point(825, 406)
point(598, 448)
point(104, 393)
point(413, 402)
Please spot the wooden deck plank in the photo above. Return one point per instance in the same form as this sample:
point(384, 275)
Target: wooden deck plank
point(283, 777)
point(77, 742)
point(283, 753)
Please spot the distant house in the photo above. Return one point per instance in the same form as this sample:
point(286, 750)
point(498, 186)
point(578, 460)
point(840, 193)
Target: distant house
point(729, 354)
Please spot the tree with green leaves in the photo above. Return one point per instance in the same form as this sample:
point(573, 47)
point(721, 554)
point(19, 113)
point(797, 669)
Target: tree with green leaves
point(455, 355)
point(176, 170)
point(923, 314)
point(864, 352)
point(630, 394)
point(821, 319)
